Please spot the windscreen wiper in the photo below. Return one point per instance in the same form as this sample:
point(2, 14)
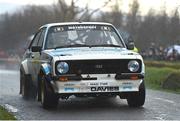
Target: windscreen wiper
point(106, 45)
point(74, 45)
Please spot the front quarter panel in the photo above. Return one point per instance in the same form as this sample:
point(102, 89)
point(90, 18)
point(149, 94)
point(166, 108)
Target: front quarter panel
point(143, 66)
point(24, 66)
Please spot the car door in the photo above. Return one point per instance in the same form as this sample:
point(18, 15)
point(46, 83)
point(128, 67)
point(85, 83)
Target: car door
point(37, 55)
point(34, 56)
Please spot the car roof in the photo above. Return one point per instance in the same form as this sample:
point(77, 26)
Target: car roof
point(74, 23)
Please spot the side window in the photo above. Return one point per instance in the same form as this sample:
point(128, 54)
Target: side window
point(41, 39)
point(36, 39)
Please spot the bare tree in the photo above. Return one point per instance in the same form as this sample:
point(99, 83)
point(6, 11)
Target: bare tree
point(132, 17)
point(87, 14)
point(64, 12)
point(175, 27)
point(158, 28)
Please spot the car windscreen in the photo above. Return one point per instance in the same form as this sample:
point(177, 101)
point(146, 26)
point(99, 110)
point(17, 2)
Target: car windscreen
point(82, 36)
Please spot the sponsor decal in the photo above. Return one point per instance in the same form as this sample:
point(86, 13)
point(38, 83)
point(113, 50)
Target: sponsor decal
point(127, 83)
point(58, 29)
point(94, 84)
point(106, 28)
point(68, 89)
point(69, 84)
point(80, 27)
point(46, 68)
point(127, 87)
point(98, 84)
point(104, 89)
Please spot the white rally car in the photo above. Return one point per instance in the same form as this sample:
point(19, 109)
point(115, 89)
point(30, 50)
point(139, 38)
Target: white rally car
point(84, 59)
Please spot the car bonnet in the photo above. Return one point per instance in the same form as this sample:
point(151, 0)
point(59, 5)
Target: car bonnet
point(86, 53)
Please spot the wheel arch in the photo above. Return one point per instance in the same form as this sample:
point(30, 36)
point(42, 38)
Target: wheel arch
point(44, 70)
point(24, 67)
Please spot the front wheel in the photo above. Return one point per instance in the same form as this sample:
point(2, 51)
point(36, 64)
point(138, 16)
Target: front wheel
point(137, 99)
point(25, 86)
point(48, 97)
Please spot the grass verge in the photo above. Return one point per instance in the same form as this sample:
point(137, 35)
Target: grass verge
point(155, 76)
point(4, 115)
point(162, 64)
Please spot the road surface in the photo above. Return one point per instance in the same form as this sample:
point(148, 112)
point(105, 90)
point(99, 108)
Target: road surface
point(159, 105)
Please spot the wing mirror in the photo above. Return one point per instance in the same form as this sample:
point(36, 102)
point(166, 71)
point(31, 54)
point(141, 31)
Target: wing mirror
point(36, 49)
point(130, 43)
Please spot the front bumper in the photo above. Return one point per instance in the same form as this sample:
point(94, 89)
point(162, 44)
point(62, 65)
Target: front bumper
point(103, 84)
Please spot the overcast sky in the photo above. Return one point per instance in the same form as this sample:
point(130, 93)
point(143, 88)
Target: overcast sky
point(145, 5)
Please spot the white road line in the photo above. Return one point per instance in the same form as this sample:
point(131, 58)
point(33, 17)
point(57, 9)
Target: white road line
point(165, 100)
point(10, 108)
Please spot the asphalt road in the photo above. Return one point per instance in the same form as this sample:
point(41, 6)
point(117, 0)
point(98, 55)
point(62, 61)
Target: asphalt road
point(159, 105)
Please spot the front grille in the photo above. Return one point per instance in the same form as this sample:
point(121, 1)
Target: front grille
point(99, 66)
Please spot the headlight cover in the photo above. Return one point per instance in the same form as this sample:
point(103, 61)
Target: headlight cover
point(63, 67)
point(133, 66)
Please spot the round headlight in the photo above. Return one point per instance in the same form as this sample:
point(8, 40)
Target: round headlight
point(63, 67)
point(133, 66)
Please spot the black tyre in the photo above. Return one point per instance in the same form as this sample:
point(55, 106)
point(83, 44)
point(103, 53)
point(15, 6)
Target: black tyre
point(25, 87)
point(137, 99)
point(48, 98)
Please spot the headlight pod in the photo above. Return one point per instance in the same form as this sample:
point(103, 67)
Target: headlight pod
point(133, 66)
point(62, 67)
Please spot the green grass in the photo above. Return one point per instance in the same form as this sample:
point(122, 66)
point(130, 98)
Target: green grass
point(156, 75)
point(4, 115)
point(162, 64)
